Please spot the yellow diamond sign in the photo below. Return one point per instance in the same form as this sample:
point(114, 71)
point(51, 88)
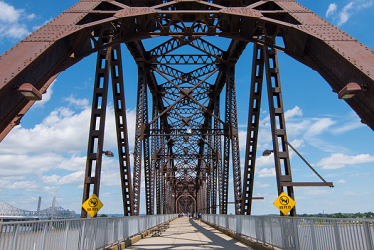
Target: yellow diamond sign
point(92, 205)
point(284, 203)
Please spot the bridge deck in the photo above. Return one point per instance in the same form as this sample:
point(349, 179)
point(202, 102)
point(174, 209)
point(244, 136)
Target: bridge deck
point(186, 233)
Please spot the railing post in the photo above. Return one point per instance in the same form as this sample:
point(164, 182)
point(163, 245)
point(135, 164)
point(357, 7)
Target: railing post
point(66, 235)
point(295, 234)
point(45, 228)
point(114, 229)
point(337, 235)
point(368, 235)
point(271, 232)
point(15, 236)
point(284, 233)
point(263, 229)
point(313, 234)
point(82, 235)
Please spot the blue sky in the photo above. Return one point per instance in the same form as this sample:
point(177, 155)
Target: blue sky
point(45, 156)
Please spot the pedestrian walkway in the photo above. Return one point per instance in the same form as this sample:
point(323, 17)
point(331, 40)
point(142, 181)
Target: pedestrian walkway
point(186, 233)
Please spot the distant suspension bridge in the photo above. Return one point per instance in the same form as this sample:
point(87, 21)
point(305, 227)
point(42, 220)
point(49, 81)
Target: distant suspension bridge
point(8, 211)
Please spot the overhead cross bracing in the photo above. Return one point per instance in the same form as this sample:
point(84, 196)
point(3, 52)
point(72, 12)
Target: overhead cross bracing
point(186, 120)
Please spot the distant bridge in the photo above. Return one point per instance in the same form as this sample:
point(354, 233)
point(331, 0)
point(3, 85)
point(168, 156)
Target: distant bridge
point(8, 211)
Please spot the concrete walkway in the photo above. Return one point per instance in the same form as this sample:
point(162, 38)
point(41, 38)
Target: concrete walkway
point(186, 233)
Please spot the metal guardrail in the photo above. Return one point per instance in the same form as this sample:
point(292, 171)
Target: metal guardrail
point(80, 234)
point(293, 233)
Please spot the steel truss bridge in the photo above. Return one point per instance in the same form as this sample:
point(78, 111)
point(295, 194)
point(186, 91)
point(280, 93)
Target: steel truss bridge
point(8, 211)
point(179, 135)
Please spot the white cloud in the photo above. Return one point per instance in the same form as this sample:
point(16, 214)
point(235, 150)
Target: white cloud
point(331, 9)
point(350, 9)
point(12, 21)
point(296, 143)
point(339, 160)
point(26, 185)
point(50, 179)
point(78, 102)
point(261, 185)
point(360, 175)
point(265, 172)
point(13, 165)
point(73, 178)
point(350, 193)
point(345, 14)
point(265, 161)
point(63, 131)
point(296, 111)
point(316, 191)
point(31, 16)
point(8, 13)
point(320, 125)
point(341, 181)
point(353, 122)
point(46, 96)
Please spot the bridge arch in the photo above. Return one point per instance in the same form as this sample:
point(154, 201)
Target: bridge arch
point(94, 26)
point(65, 40)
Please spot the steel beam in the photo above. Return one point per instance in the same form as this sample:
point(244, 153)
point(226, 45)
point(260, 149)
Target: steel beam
point(97, 126)
point(121, 128)
point(253, 127)
point(278, 125)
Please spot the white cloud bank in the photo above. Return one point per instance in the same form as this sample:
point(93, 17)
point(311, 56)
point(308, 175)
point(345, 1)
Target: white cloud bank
point(339, 160)
point(350, 9)
point(12, 21)
point(331, 9)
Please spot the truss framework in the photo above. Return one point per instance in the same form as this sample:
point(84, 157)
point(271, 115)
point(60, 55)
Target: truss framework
point(179, 142)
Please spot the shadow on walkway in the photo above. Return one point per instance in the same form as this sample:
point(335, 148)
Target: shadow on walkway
point(186, 234)
point(217, 240)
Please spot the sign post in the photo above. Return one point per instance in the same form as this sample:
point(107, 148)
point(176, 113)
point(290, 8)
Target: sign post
point(92, 205)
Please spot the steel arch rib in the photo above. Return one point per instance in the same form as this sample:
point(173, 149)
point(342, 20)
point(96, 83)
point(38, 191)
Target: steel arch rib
point(63, 41)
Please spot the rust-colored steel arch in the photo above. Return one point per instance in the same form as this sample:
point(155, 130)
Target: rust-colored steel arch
point(97, 25)
point(65, 40)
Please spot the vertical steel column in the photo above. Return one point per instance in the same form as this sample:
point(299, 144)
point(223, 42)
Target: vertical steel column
point(121, 128)
point(208, 170)
point(210, 148)
point(217, 163)
point(226, 156)
point(278, 125)
point(252, 127)
point(208, 191)
point(163, 194)
point(155, 162)
point(148, 171)
point(97, 125)
point(158, 191)
point(232, 121)
point(139, 134)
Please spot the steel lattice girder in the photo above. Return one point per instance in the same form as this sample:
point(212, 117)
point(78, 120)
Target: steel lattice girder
point(78, 32)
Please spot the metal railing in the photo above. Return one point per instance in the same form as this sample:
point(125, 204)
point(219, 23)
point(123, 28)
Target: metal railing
point(81, 234)
point(294, 233)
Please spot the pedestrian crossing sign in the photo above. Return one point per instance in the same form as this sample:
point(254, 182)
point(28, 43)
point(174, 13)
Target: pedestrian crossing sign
point(92, 205)
point(284, 203)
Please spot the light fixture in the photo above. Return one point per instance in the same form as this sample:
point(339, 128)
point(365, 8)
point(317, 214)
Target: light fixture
point(30, 92)
point(349, 91)
point(189, 131)
point(108, 153)
point(267, 152)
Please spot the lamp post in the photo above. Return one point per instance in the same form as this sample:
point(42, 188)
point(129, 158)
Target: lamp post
point(106, 153)
point(349, 91)
point(30, 92)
